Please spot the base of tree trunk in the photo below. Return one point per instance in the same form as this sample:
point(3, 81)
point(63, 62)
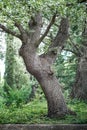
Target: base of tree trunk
point(61, 114)
point(70, 112)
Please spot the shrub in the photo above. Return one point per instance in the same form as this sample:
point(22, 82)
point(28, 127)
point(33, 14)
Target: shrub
point(16, 96)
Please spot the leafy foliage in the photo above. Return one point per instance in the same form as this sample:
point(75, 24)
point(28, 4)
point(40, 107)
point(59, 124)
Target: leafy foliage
point(35, 112)
point(65, 67)
point(16, 97)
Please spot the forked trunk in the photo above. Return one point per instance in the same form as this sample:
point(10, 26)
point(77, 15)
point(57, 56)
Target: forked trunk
point(40, 68)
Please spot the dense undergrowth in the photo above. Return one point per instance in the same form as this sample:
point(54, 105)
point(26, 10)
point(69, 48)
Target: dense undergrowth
point(36, 112)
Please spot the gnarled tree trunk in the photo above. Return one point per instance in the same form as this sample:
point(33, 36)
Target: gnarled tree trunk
point(41, 70)
point(40, 65)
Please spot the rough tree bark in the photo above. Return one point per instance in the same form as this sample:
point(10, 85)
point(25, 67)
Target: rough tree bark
point(40, 65)
point(79, 90)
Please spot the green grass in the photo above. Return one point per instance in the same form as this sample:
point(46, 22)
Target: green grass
point(36, 111)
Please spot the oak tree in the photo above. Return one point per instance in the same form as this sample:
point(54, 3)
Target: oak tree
point(31, 37)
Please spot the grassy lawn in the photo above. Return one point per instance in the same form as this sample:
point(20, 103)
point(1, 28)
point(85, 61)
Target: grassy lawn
point(35, 112)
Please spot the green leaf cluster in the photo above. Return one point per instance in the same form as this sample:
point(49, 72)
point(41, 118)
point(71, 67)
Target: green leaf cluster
point(16, 97)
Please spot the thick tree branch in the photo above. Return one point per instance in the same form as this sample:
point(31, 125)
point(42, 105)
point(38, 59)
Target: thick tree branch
point(47, 29)
point(24, 34)
point(5, 29)
point(33, 21)
point(35, 24)
point(58, 43)
point(20, 27)
point(62, 34)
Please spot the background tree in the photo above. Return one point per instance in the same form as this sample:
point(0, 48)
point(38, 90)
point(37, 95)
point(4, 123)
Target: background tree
point(9, 61)
point(16, 86)
point(77, 45)
point(79, 89)
point(65, 69)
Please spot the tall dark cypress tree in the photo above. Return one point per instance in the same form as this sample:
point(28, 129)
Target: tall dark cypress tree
point(9, 61)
